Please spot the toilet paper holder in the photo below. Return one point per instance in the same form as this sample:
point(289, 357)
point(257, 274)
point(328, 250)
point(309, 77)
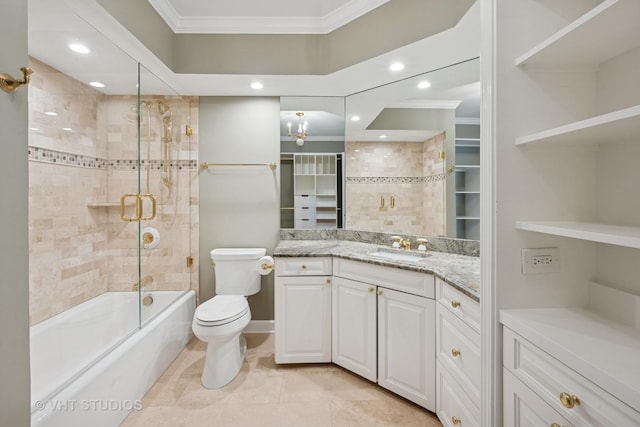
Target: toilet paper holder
point(267, 266)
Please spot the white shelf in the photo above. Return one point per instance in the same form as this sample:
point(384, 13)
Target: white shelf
point(604, 32)
point(601, 350)
point(464, 168)
point(601, 233)
point(610, 127)
point(467, 142)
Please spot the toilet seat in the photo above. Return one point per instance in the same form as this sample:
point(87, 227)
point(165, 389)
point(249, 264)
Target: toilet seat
point(221, 309)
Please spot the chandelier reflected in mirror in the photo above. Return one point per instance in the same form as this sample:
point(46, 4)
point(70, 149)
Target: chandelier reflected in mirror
point(301, 134)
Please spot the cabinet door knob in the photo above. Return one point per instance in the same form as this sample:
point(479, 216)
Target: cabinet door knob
point(380, 292)
point(555, 425)
point(304, 266)
point(456, 420)
point(371, 289)
point(455, 304)
point(328, 281)
point(569, 400)
point(455, 352)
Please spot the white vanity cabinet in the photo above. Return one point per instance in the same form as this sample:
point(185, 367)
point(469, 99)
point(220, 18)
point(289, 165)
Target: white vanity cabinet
point(458, 357)
point(383, 327)
point(302, 300)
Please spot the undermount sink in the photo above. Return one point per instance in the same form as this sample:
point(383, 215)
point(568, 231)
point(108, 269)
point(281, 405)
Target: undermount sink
point(398, 256)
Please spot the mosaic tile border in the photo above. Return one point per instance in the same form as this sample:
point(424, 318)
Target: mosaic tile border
point(395, 179)
point(44, 155)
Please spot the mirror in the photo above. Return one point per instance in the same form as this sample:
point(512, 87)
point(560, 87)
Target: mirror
point(411, 154)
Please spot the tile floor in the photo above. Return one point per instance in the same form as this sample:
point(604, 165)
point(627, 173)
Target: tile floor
point(265, 394)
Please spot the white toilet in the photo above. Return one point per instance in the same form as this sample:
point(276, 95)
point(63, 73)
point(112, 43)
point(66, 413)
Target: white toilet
point(220, 320)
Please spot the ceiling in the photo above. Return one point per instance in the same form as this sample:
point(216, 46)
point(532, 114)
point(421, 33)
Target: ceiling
point(53, 24)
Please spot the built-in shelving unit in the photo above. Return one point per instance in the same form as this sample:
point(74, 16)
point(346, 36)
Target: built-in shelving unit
point(315, 181)
point(580, 74)
point(467, 172)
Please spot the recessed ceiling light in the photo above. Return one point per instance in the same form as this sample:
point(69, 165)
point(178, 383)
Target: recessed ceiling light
point(256, 85)
point(397, 66)
point(383, 136)
point(51, 113)
point(424, 84)
point(67, 129)
point(34, 129)
point(96, 84)
point(355, 118)
point(79, 48)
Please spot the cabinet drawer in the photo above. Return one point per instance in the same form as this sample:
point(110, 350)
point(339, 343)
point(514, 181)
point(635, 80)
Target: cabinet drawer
point(458, 303)
point(524, 408)
point(306, 223)
point(305, 212)
point(549, 378)
point(303, 266)
point(453, 406)
point(305, 201)
point(393, 278)
point(458, 348)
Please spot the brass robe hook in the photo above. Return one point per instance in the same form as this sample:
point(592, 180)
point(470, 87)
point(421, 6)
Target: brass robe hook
point(10, 84)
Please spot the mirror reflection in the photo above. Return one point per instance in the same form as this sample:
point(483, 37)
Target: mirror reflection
point(406, 157)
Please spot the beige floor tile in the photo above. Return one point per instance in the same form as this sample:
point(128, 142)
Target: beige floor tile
point(266, 394)
point(307, 414)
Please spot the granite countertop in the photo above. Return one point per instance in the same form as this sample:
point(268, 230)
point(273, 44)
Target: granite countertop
point(460, 271)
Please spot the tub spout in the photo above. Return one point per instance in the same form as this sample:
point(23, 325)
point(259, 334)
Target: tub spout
point(144, 282)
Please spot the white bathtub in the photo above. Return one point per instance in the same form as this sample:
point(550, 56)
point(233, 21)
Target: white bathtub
point(91, 365)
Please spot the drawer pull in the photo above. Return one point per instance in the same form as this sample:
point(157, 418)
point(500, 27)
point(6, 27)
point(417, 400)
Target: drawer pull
point(455, 304)
point(379, 292)
point(371, 289)
point(456, 420)
point(304, 266)
point(455, 352)
point(328, 281)
point(569, 400)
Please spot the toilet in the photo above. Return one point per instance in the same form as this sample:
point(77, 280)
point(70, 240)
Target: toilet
point(219, 321)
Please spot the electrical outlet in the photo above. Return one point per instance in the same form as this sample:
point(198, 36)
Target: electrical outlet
point(540, 260)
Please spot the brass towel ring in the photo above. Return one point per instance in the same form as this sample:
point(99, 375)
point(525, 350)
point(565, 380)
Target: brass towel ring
point(9, 84)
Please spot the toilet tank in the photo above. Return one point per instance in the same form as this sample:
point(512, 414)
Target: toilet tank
point(236, 270)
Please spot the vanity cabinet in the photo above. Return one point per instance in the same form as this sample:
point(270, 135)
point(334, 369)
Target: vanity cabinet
point(555, 381)
point(383, 327)
point(302, 300)
point(458, 356)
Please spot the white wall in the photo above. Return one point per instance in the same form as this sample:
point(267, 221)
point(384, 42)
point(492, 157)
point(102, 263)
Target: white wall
point(14, 255)
point(239, 206)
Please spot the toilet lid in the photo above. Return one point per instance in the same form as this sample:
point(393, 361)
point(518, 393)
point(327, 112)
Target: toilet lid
point(221, 309)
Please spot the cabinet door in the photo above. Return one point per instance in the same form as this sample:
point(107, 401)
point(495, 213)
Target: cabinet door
point(354, 327)
point(406, 346)
point(303, 319)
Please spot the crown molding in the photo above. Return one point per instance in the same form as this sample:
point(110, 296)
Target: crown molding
point(427, 103)
point(263, 25)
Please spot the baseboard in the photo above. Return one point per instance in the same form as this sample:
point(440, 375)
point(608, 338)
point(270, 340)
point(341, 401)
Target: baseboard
point(260, 327)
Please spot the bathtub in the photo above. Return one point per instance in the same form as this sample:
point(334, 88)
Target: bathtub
point(91, 365)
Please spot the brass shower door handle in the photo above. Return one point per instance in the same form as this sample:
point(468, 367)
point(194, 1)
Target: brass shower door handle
point(138, 203)
point(153, 206)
